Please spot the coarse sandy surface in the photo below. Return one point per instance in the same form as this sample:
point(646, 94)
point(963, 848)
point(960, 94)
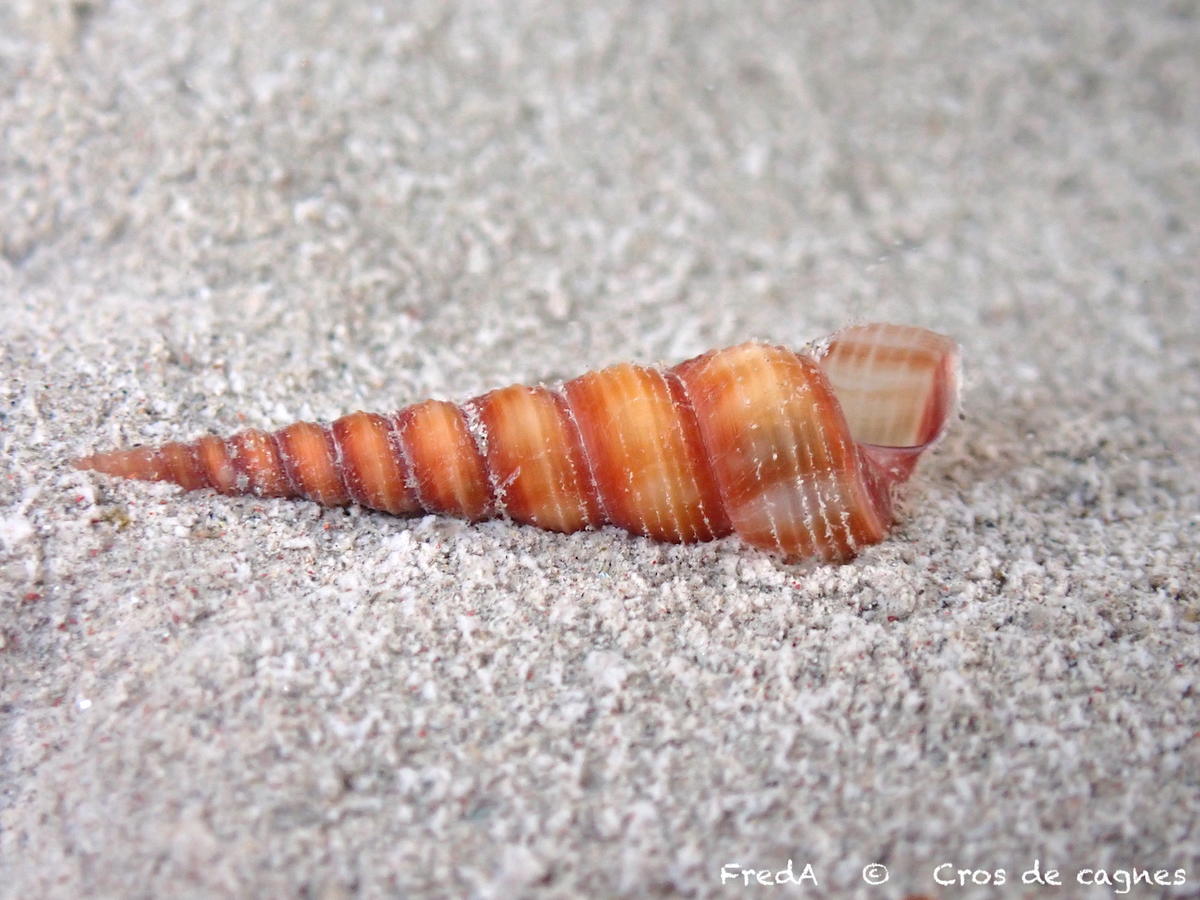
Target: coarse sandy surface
point(216, 215)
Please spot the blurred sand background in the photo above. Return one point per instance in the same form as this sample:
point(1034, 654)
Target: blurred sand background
point(218, 215)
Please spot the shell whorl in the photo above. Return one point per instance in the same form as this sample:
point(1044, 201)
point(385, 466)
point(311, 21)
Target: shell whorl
point(797, 454)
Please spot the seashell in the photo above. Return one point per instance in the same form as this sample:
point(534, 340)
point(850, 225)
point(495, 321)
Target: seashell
point(796, 453)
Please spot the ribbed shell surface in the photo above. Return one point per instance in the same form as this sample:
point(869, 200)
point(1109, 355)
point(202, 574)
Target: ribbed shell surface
point(794, 453)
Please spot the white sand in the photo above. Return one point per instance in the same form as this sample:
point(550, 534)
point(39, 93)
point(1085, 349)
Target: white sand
point(215, 215)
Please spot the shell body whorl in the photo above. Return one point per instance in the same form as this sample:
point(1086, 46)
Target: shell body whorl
point(797, 454)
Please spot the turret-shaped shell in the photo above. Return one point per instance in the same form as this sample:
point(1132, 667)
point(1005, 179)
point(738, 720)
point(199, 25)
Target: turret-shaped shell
point(796, 453)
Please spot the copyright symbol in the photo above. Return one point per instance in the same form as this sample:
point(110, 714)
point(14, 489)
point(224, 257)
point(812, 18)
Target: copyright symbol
point(875, 873)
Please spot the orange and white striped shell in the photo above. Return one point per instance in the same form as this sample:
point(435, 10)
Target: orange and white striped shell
point(795, 453)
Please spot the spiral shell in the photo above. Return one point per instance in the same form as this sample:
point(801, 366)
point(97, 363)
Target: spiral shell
point(795, 453)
